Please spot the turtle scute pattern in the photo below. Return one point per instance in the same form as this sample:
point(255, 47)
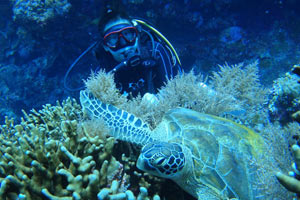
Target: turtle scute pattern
point(221, 151)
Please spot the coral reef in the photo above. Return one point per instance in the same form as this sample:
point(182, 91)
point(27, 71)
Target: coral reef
point(50, 154)
point(285, 98)
point(285, 88)
point(39, 11)
point(296, 115)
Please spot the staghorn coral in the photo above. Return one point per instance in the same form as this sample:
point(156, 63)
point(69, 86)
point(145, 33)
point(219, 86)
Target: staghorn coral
point(112, 193)
point(50, 155)
point(39, 11)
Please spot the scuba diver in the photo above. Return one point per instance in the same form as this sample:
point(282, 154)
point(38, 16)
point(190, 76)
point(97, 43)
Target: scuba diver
point(140, 57)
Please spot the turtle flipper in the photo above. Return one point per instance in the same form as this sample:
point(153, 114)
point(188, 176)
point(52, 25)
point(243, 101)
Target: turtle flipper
point(124, 126)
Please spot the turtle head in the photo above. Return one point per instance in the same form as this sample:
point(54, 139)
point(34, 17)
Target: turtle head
point(161, 159)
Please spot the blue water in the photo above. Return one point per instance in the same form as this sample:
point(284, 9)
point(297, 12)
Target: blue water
point(34, 56)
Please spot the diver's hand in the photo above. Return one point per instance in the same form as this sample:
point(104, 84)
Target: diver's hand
point(150, 99)
point(292, 182)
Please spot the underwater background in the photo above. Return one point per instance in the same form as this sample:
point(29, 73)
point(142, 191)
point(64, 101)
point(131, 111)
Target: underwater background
point(39, 40)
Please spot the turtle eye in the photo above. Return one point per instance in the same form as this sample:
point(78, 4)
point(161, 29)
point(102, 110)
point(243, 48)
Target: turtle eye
point(148, 166)
point(159, 161)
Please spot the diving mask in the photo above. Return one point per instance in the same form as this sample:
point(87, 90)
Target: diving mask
point(120, 38)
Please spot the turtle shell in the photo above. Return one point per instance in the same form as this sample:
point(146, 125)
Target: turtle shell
point(222, 152)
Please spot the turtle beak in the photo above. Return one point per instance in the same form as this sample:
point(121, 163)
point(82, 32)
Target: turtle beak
point(139, 163)
point(144, 165)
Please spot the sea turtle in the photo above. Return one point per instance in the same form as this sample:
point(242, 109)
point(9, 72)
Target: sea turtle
point(210, 157)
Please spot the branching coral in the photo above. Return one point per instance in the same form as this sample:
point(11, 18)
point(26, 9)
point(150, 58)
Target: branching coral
point(50, 154)
point(112, 193)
